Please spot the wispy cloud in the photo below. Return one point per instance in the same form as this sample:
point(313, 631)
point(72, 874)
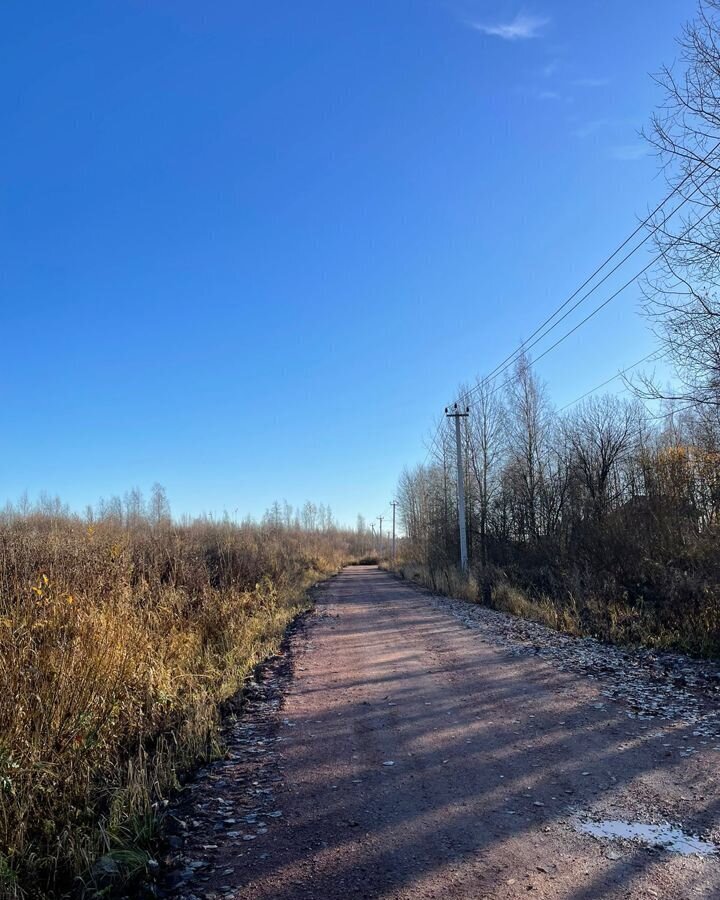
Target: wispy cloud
point(545, 95)
point(587, 129)
point(591, 82)
point(629, 152)
point(550, 68)
point(522, 27)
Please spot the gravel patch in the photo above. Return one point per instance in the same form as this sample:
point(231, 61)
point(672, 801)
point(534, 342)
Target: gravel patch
point(653, 684)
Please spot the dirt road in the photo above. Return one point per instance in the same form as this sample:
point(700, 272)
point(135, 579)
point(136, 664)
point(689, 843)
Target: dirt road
point(397, 753)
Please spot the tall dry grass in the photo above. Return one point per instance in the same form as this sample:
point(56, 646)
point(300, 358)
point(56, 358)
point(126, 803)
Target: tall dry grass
point(117, 644)
point(675, 625)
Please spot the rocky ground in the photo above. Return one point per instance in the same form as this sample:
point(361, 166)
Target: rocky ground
point(652, 683)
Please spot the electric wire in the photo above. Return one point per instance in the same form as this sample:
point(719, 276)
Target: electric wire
point(610, 380)
point(646, 221)
point(463, 397)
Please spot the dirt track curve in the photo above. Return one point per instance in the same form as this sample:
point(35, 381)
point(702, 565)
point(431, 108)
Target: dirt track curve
point(396, 753)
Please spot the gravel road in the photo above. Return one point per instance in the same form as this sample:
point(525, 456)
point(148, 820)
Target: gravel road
point(408, 746)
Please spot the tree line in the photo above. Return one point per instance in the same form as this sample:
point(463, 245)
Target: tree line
point(603, 504)
point(608, 514)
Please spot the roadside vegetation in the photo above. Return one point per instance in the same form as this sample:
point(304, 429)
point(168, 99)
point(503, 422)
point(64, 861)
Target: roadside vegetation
point(121, 634)
point(604, 518)
point(600, 521)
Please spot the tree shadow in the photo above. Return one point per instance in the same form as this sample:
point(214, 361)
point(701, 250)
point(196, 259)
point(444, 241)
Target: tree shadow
point(493, 755)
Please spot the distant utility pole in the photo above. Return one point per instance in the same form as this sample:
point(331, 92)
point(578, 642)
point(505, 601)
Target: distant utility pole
point(393, 504)
point(372, 528)
point(454, 412)
point(380, 547)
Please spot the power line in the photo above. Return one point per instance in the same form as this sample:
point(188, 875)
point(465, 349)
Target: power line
point(597, 387)
point(511, 358)
point(648, 219)
point(582, 322)
point(608, 381)
point(508, 362)
point(657, 417)
point(627, 284)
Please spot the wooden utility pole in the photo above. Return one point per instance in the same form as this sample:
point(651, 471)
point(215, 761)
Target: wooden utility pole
point(454, 412)
point(380, 547)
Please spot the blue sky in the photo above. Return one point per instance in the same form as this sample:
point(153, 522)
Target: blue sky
point(249, 249)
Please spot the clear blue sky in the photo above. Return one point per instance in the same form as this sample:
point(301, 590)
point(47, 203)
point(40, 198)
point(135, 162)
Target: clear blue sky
point(249, 249)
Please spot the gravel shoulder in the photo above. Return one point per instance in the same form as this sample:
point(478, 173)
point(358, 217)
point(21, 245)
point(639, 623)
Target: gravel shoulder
point(410, 746)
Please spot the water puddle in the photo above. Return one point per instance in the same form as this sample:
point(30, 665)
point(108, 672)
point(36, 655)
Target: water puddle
point(667, 836)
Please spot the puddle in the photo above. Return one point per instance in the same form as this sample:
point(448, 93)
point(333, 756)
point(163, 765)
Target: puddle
point(670, 837)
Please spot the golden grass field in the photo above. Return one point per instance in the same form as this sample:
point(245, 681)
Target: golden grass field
point(117, 645)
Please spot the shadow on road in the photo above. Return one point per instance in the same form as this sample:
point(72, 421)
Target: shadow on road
point(492, 755)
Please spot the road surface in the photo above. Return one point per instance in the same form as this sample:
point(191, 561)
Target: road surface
point(396, 753)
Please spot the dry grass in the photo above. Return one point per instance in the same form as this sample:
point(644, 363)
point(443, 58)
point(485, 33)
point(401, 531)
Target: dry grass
point(116, 646)
point(512, 600)
point(694, 630)
point(687, 628)
point(450, 582)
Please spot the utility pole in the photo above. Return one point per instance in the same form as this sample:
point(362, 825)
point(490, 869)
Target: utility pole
point(372, 528)
point(454, 412)
point(393, 504)
point(380, 547)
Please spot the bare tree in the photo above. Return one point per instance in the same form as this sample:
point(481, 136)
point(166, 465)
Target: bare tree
point(134, 506)
point(273, 517)
point(159, 507)
point(681, 296)
point(528, 432)
point(486, 442)
point(309, 516)
point(599, 432)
